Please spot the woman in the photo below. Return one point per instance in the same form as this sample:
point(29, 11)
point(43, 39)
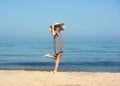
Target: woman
point(58, 43)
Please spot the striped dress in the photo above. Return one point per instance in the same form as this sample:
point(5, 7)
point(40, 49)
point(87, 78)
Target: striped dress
point(58, 43)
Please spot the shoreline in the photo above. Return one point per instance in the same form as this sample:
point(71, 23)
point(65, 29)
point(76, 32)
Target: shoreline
point(60, 70)
point(35, 69)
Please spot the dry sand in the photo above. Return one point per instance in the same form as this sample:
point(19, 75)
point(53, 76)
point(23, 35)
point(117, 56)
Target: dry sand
point(46, 78)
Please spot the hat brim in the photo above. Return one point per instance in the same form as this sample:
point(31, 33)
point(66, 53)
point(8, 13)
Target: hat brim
point(62, 25)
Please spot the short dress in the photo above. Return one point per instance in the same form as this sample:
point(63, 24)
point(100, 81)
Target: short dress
point(58, 43)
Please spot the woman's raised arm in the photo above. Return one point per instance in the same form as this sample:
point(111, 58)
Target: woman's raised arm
point(53, 30)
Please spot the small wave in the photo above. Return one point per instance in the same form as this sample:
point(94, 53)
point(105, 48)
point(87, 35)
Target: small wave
point(18, 55)
point(28, 63)
point(100, 63)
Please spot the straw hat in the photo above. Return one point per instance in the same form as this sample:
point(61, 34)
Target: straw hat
point(62, 25)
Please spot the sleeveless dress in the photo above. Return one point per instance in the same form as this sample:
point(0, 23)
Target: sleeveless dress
point(58, 43)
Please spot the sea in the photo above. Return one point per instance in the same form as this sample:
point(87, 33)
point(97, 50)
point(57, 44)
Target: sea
point(79, 55)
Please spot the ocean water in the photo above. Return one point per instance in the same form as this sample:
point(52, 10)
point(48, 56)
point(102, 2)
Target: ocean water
point(79, 55)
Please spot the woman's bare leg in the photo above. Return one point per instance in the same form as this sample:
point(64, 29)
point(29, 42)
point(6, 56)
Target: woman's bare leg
point(58, 57)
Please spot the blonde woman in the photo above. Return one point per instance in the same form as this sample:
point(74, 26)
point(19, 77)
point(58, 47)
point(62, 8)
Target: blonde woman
point(58, 43)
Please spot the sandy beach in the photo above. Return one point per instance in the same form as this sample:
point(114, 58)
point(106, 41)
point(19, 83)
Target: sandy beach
point(62, 78)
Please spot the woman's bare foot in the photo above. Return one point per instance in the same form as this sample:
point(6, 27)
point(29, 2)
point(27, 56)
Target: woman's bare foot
point(55, 71)
point(49, 56)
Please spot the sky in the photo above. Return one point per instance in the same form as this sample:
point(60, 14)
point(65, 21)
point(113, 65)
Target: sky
point(84, 19)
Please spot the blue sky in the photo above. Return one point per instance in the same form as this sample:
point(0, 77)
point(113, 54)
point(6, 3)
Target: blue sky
point(84, 19)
